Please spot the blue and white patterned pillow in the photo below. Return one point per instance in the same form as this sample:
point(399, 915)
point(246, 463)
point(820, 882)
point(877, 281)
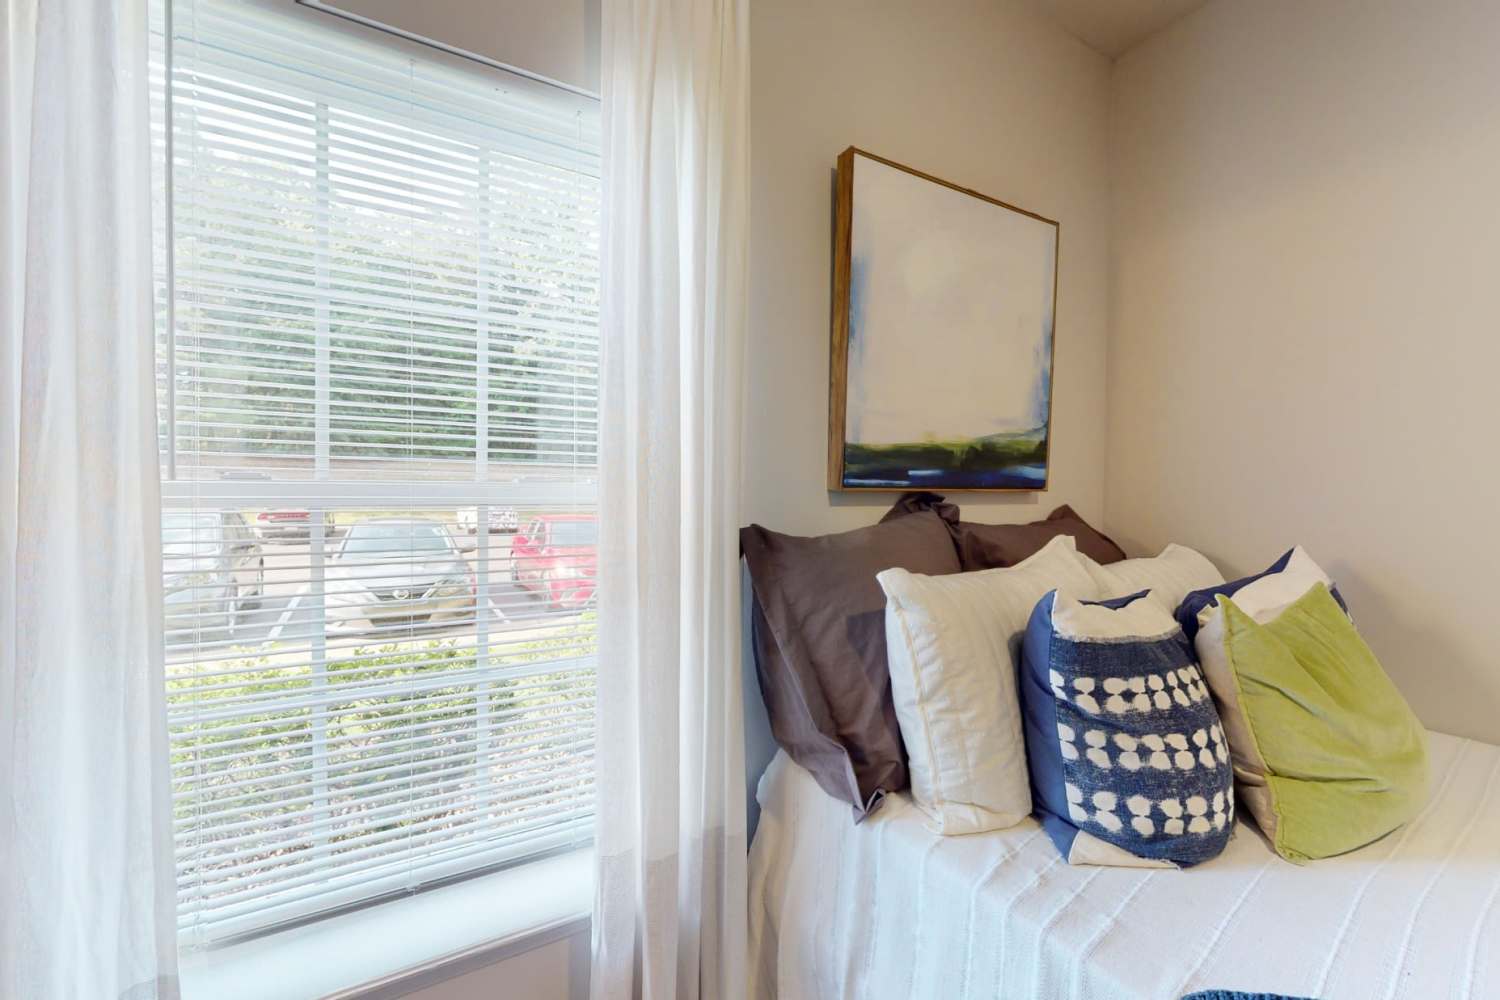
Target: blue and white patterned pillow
point(1128, 761)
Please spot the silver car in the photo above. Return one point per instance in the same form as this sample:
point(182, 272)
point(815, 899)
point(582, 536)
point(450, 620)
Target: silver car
point(395, 573)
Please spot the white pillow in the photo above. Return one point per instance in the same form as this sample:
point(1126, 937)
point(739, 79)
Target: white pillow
point(1170, 577)
point(953, 643)
point(1269, 595)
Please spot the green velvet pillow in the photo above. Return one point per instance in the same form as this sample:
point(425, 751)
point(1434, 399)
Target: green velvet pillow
point(1345, 759)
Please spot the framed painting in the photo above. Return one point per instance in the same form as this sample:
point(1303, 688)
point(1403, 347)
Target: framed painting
point(944, 301)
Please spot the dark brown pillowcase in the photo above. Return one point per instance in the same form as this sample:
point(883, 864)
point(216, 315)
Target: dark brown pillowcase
point(990, 546)
point(819, 634)
point(911, 503)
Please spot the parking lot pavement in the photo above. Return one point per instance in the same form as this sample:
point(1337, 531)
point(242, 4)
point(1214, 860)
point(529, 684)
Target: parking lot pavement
point(284, 619)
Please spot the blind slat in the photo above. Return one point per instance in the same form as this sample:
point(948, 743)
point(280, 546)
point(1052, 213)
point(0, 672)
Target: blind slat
point(254, 831)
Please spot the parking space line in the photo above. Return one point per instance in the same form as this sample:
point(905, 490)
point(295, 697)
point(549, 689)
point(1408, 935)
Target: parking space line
point(286, 615)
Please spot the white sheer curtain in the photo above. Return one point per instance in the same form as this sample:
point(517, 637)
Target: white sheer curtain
point(669, 914)
point(86, 883)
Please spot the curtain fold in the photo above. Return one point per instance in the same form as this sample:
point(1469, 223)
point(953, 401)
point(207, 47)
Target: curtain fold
point(669, 917)
point(86, 871)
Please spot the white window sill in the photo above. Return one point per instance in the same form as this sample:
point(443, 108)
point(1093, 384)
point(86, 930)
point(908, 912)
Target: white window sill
point(374, 950)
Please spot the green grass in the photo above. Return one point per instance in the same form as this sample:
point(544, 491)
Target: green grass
point(364, 708)
point(996, 451)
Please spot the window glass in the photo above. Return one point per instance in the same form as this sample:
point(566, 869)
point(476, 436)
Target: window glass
point(377, 305)
point(572, 534)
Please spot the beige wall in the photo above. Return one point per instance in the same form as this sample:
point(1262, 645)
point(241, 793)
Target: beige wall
point(1305, 328)
point(973, 91)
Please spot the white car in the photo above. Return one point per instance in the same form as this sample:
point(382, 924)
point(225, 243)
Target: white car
point(504, 520)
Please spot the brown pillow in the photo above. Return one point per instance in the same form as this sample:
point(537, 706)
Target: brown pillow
point(819, 631)
point(988, 546)
point(910, 503)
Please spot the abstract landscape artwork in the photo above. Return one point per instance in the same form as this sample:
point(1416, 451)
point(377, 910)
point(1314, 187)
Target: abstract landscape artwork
point(941, 362)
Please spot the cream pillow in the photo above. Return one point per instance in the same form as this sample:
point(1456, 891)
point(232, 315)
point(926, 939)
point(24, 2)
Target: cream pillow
point(1170, 577)
point(953, 643)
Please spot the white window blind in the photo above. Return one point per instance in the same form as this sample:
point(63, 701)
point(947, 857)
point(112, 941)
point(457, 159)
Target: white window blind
point(378, 346)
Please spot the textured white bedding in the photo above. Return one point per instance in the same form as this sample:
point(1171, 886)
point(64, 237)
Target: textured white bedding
point(888, 909)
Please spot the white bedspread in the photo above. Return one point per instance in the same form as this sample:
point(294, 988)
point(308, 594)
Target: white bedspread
point(888, 910)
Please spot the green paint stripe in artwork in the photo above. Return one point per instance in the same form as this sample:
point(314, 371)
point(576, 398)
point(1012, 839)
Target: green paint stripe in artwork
point(997, 451)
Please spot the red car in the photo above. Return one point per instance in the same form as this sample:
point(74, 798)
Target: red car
point(556, 555)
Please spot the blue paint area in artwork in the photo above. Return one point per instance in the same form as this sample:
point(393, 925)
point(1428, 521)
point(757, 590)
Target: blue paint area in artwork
point(1041, 398)
point(1032, 476)
point(858, 271)
point(855, 404)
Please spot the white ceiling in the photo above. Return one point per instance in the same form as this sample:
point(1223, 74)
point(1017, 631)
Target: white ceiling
point(1112, 26)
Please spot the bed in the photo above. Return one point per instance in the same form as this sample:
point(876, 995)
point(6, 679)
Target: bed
point(887, 909)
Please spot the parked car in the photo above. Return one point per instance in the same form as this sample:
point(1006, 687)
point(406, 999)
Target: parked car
point(212, 570)
point(502, 519)
point(396, 573)
point(556, 555)
point(288, 522)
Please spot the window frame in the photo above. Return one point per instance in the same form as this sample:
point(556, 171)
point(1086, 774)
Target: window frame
point(321, 496)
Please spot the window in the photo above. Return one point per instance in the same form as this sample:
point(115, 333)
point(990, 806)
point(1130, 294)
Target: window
point(377, 358)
